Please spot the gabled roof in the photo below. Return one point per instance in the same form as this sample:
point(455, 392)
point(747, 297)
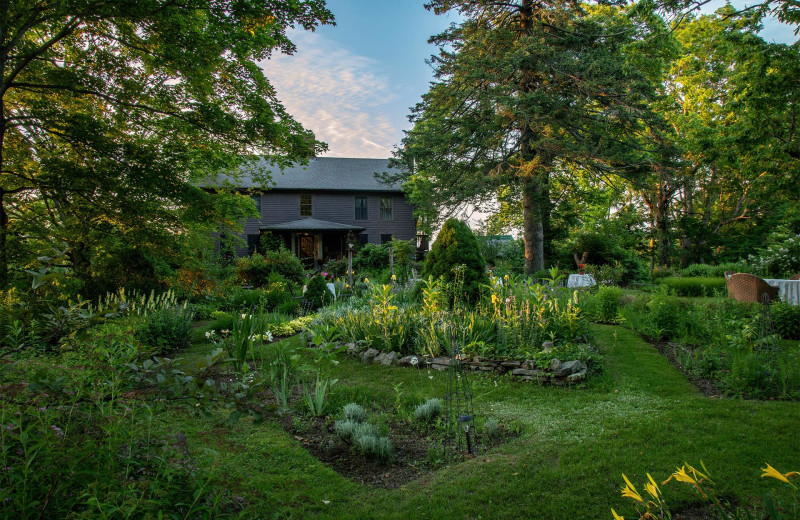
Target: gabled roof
point(325, 173)
point(312, 224)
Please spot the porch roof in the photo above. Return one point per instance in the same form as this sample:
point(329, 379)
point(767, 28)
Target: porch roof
point(312, 224)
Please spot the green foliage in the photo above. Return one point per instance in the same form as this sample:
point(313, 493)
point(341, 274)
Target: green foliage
point(354, 412)
point(603, 306)
point(370, 258)
point(694, 286)
point(607, 274)
point(428, 411)
point(373, 446)
point(317, 292)
point(781, 257)
point(317, 396)
point(667, 316)
point(491, 429)
point(786, 320)
point(167, 329)
point(456, 246)
point(714, 271)
point(259, 270)
point(123, 138)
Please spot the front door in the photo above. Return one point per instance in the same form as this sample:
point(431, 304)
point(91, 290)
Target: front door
point(307, 246)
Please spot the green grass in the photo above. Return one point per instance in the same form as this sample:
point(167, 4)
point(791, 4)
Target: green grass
point(639, 416)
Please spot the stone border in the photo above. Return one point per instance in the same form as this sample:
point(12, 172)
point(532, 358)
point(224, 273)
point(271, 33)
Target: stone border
point(558, 373)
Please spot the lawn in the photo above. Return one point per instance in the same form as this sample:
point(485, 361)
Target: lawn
point(641, 415)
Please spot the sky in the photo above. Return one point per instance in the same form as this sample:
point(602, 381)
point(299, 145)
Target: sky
point(353, 84)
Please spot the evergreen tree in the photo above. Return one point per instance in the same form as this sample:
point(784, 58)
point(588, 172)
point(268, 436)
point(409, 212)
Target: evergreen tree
point(524, 87)
point(457, 246)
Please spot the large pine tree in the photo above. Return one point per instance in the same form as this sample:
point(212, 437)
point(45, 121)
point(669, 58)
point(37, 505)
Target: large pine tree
point(524, 87)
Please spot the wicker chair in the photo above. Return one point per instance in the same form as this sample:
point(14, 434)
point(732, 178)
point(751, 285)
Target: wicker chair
point(745, 287)
point(795, 277)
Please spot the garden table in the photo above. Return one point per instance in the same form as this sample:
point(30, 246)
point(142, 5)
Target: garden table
point(580, 280)
point(788, 290)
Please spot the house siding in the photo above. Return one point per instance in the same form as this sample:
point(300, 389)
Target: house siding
point(278, 206)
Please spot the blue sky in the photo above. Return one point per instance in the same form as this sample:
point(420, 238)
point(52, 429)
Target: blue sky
point(353, 83)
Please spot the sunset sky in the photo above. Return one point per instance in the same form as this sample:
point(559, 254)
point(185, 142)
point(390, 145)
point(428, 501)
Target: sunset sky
point(353, 83)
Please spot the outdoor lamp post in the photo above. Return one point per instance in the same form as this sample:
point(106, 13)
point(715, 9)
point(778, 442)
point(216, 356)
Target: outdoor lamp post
point(465, 421)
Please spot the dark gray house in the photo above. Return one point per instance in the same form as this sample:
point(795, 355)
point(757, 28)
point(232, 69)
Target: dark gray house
point(313, 208)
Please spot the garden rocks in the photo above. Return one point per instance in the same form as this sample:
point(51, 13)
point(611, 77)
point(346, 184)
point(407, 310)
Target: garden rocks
point(352, 349)
point(369, 354)
point(386, 359)
point(569, 368)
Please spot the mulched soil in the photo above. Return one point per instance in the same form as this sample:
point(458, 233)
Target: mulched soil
point(707, 387)
point(410, 448)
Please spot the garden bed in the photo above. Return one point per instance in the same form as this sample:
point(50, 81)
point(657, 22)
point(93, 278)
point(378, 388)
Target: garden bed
point(416, 451)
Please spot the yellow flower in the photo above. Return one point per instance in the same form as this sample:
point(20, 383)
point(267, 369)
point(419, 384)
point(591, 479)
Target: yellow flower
point(769, 471)
point(495, 299)
point(681, 476)
point(630, 490)
point(394, 277)
point(652, 487)
point(366, 280)
point(616, 516)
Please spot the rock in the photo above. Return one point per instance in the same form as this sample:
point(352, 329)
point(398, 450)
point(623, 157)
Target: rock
point(441, 361)
point(511, 364)
point(406, 361)
point(528, 364)
point(521, 372)
point(352, 349)
point(379, 358)
point(577, 376)
point(554, 366)
point(388, 359)
point(368, 355)
point(570, 367)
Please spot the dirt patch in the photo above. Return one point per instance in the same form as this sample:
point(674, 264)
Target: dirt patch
point(670, 350)
point(415, 452)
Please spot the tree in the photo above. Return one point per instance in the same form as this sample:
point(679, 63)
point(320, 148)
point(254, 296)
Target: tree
point(456, 257)
point(524, 88)
point(111, 111)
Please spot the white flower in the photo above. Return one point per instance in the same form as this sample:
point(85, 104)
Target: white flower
point(209, 334)
point(414, 361)
point(224, 331)
point(268, 335)
point(244, 316)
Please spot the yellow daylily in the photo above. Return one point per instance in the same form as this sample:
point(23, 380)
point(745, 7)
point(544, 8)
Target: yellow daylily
point(630, 490)
point(394, 277)
point(651, 487)
point(366, 280)
point(769, 471)
point(616, 516)
point(681, 476)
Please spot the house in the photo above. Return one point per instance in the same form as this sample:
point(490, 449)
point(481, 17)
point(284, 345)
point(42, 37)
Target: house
point(315, 208)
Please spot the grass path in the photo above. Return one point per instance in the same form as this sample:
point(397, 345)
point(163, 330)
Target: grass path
point(640, 416)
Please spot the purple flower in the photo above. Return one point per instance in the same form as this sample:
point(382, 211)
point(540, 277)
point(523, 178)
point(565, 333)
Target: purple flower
point(58, 430)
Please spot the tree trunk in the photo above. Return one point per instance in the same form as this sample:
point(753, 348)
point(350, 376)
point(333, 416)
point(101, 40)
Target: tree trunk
point(534, 206)
point(3, 243)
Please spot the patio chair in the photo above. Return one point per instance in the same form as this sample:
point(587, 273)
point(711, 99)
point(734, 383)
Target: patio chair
point(745, 287)
point(795, 277)
point(729, 273)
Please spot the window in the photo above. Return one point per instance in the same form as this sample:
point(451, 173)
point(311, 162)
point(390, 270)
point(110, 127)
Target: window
point(252, 243)
point(386, 208)
point(305, 205)
point(362, 238)
point(257, 202)
point(386, 238)
point(361, 208)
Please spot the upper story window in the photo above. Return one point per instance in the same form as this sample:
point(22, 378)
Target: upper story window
point(257, 202)
point(305, 205)
point(386, 208)
point(361, 208)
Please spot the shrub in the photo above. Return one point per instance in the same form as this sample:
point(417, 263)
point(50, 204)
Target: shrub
point(167, 328)
point(288, 307)
point(786, 319)
point(608, 274)
point(348, 431)
point(317, 292)
point(491, 429)
point(371, 257)
point(256, 269)
point(428, 411)
point(694, 286)
point(603, 307)
point(354, 412)
point(379, 448)
point(455, 246)
point(666, 315)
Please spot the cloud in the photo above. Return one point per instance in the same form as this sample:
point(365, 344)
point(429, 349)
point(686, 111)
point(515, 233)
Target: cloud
point(337, 94)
